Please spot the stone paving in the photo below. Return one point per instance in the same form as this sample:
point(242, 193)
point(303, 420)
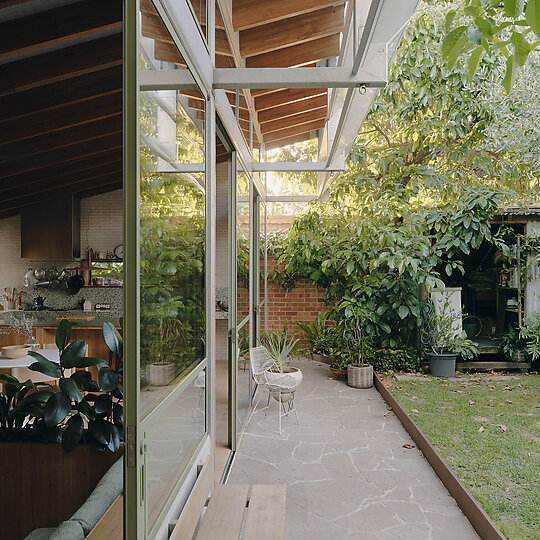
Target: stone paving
point(347, 472)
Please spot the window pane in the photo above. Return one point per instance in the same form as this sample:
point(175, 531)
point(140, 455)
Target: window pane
point(172, 232)
point(243, 384)
point(171, 443)
point(242, 249)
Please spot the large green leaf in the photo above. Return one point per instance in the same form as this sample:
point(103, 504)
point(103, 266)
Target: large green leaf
point(63, 334)
point(107, 379)
point(522, 48)
point(103, 404)
point(452, 40)
point(513, 8)
point(71, 436)
point(82, 362)
point(474, 59)
point(509, 75)
point(112, 338)
point(73, 350)
point(532, 15)
point(69, 387)
point(56, 409)
point(43, 365)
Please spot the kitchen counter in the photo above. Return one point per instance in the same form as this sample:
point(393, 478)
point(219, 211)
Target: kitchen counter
point(51, 318)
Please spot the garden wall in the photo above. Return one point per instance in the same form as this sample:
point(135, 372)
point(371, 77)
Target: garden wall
point(303, 303)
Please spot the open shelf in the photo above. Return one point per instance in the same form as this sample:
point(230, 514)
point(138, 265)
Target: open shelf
point(115, 260)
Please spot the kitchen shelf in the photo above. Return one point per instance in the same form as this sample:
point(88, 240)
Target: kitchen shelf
point(116, 260)
point(513, 310)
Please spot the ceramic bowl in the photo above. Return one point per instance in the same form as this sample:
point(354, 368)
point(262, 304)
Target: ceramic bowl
point(15, 351)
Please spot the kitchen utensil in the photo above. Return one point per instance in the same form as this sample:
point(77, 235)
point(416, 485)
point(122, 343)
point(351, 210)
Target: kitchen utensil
point(52, 273)
point(75, 283)
point(40, 274)
point(29, 279)
point(15, 351)
point(38, 302)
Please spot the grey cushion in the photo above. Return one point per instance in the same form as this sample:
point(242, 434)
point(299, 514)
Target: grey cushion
point(68, 530)
point(41, 534)
point(105, 493)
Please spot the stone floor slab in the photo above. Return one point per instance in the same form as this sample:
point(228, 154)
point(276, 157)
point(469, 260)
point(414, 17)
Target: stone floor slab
point(347, 472)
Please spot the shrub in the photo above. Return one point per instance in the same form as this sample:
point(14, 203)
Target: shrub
point(406, 359)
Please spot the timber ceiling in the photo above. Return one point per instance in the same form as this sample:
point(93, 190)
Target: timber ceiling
point(60, 100)
point(61, 84)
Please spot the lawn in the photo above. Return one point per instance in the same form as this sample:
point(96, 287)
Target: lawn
point(488, 431)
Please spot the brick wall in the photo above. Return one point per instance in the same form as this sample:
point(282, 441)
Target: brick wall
point(303, 303)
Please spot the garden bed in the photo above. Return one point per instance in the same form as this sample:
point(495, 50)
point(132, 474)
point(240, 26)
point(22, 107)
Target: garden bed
point(488, 431)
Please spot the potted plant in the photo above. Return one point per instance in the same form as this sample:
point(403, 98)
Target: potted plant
point(48, 431)
point(445, 343)
point(282, 349)
point(162, 352)
point(513, 345)
point(360, 373)
point(317, 336)
point(343, 351)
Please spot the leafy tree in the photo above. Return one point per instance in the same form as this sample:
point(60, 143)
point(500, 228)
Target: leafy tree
point(479, 28)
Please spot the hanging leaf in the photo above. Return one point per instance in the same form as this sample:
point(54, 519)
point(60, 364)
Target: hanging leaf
point(69, 387)
point(73, 350)
point(56, 409)
point(112, 338)
point(45, 366)
point(509, 75)
point(513, 8)
point(107, 379)
point(63, 334)
point(473, 62)
point(532, 15)
point(71, 436)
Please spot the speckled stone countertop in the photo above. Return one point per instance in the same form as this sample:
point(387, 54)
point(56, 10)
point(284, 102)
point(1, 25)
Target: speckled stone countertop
point(76, 317)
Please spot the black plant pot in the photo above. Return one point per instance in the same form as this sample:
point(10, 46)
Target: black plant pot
point(442, 365)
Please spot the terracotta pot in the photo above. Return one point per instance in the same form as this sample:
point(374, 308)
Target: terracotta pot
point(323, 358)
point(43, 486)
point(339, 374)
point(160, 374)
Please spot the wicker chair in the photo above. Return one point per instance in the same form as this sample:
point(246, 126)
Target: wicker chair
point(279, 385)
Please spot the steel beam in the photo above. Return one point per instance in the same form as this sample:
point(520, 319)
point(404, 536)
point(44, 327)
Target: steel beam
point(295, 166)
point(317, 77)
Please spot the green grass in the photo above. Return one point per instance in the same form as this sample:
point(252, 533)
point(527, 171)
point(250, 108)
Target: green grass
point(499, 464)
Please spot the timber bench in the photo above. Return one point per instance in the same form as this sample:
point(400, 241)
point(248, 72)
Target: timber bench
point(243, 512)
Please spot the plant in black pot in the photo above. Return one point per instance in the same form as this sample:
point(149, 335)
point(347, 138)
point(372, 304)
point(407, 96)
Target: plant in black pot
point(513, 345)
point(444, 341)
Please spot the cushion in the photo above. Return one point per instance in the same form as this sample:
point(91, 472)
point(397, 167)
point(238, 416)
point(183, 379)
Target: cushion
point(104, 494)
point(68, 530)
point(41, 534)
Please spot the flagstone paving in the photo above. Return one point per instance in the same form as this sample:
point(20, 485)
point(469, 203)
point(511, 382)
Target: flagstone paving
point(347, 471)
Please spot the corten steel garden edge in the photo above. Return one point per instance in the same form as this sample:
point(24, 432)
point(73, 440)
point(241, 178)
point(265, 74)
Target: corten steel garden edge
point(482, 523)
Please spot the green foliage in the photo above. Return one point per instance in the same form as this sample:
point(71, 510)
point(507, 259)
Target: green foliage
point(530, 332)
point(371, 267)
point(350, 347)
point(408, 360)
point(510, 29)
point(280, 346)
point(53, 416)
point(512, 341)
point(313, 330)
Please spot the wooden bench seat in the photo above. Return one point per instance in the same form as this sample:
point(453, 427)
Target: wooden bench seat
point(243, 512)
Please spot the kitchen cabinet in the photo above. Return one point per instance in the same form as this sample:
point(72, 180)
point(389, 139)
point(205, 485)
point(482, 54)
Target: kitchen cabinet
point(51, 230)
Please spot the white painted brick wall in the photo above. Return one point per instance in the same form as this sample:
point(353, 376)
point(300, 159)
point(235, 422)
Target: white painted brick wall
point(101, 229)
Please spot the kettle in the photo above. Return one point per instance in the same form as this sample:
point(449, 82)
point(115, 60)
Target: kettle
point(38, 302)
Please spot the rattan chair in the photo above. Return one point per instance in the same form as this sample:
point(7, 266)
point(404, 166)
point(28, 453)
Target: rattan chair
point(279, 385)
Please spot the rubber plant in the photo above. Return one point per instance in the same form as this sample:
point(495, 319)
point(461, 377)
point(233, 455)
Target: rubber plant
point(83, 410)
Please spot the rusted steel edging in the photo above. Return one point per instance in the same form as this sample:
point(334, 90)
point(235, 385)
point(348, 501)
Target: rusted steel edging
point(482, 523)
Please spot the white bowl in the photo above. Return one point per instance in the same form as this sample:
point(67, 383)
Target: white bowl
point(15, 351)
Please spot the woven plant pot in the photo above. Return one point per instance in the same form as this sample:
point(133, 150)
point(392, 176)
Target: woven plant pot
point(360, 376)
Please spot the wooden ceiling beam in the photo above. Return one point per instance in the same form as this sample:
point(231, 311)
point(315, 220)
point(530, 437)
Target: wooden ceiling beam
point(297, 55)
point(62, 191)
point(288, 140)
point(76, 114)
point(61, 139)
point(251, 13)
point(167, 52)
point(59, 173)
point(59, 25)
point(61, 93)
point(283, 97)
point(43, 187)
point(293, 31)
point(292, 131)
point(63, 155)
point(290, 109)
point(61, 64)
point(294, 120)
point(152, 27)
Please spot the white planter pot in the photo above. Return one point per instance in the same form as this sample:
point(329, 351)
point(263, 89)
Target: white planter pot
point(160, 374)
point(293, 372)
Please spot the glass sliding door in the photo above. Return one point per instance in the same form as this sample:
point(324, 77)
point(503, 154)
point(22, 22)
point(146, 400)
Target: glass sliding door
point(166, 248)
point(241, 326)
